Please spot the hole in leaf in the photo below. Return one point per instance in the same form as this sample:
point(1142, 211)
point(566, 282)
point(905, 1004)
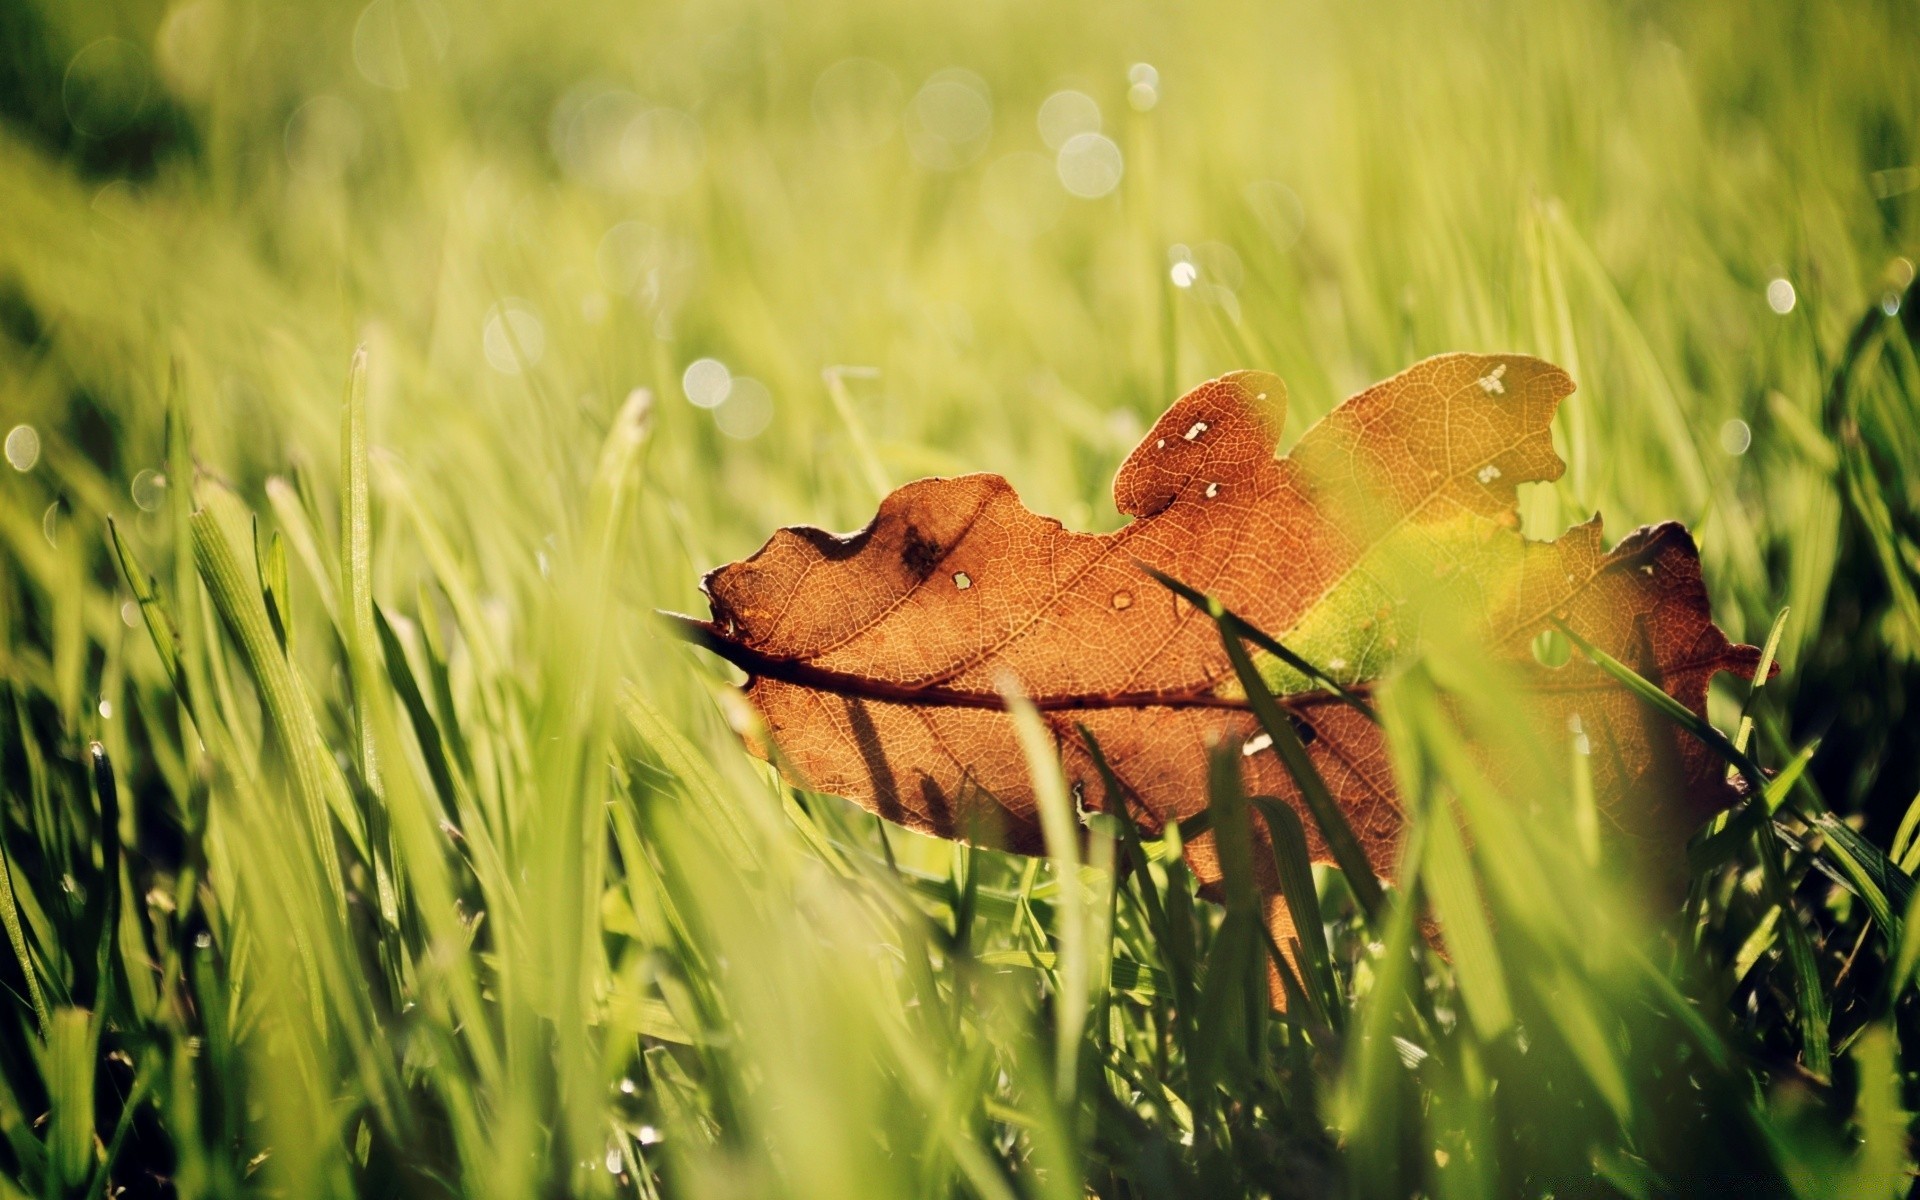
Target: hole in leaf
point(1551, 649)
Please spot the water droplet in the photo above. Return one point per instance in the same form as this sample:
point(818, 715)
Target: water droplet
point(106, 708)
point(23, 447)
point(1194, 431)
point(149, 490)
point(203, 940)
point(962, 580)
point(1780, 296)
point(1123, 599)
point(130, 614)
point(647, 1135)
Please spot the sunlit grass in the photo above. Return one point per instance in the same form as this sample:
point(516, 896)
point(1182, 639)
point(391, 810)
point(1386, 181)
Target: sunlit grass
point(438, 868)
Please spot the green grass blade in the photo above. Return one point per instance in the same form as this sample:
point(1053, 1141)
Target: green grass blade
point(1291, 863)
point(1227, 619)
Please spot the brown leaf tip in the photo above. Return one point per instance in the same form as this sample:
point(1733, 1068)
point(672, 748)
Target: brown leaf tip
point(1218, 429)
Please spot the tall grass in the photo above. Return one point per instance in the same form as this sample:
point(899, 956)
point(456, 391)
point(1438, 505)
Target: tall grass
point(364, 835)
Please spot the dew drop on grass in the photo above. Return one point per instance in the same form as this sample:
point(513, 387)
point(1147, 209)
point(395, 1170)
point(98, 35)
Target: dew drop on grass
point(149, 490)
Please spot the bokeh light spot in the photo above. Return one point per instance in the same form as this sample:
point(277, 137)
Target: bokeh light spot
point(1089, 165)
point(1735, 436)
point(23, 447)
point(706, 381)
point(950, 119)
point(1143, 86)
point(1780, 297)
point(746, 410)
point(1064, 114)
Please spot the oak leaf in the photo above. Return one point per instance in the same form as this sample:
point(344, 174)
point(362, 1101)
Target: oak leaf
point(878, 659)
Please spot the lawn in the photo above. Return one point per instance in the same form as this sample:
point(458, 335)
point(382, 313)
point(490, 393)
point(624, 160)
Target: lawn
point(371, 376)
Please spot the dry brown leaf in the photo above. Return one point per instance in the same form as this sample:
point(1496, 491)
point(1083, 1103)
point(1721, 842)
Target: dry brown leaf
point(877, 659)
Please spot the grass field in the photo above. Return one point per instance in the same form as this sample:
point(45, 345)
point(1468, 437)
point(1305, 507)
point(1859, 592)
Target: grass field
point(365, 834)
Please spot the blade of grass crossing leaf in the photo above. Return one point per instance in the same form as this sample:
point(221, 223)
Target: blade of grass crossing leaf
point(1457, 903)
point(1234, 999)
point(1063, 846)
point(1227, 619)
point(1367, 1104)
point(1295, 869)
point(1675, 711)
point(1809, 993)
point(1333, 824)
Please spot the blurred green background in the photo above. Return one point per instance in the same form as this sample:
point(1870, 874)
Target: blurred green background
point(841, 246)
